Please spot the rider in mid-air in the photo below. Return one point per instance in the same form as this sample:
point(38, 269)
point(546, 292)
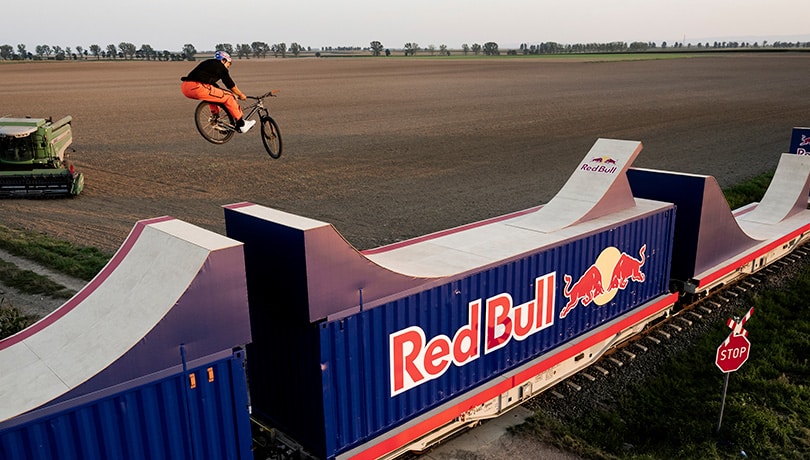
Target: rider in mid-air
point(201, 83)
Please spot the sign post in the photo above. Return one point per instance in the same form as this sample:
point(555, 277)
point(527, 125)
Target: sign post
point(732, 354)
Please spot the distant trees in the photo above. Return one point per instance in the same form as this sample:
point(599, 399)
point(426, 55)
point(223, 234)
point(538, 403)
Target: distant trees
point(258, 49)
point(243, 51)
point(127, 50)
point(123, 50)
point(146, 52)
point(411, 49)
point(491, 49)
point(189, 51)
point(376, 48)
point(43, 51)
point(227, 47)
point(58, 53)
point(296, 49)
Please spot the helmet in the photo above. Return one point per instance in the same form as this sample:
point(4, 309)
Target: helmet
point(222, 56)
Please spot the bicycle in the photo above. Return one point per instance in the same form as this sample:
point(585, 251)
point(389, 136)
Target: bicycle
point(216, 124)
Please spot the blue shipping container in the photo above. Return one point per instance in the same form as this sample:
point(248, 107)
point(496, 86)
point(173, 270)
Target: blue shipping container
point(352, 377)
point(200, 413)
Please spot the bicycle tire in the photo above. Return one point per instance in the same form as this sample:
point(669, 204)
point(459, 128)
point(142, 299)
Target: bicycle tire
point(271, 137)
point(215, 128)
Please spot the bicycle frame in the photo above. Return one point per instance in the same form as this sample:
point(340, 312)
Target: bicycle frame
point(250, 110)
point(219, 129)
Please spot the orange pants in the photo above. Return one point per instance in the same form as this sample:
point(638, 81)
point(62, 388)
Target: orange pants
point(210, 93)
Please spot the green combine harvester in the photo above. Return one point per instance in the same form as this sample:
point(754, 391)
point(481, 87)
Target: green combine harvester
point(34, 158)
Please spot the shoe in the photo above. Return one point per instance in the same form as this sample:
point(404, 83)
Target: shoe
point(248, 124)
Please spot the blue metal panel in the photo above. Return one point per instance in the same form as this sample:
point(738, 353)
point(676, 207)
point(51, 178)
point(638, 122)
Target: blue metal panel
point(800, 141)
point(356, 351)
point(163, 419)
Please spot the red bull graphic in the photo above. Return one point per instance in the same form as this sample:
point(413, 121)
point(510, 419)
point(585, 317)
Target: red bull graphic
point(414, 360)
point(611, 272)
point(800, 141)
point(601, 164)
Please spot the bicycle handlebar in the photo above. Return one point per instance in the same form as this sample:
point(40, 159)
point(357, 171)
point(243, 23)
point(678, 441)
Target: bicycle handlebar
point(271, 93)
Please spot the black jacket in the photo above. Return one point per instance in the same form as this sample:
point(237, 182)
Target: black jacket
point(210, 71)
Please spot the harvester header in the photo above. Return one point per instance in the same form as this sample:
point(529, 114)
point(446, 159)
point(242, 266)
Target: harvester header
point(34, 158)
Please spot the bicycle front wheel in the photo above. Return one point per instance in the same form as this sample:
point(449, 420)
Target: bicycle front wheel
point(271, 137)
point(214, 122)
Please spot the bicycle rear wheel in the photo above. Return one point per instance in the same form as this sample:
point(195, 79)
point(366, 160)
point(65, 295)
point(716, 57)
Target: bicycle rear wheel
point(271, 137)
point(214, 122)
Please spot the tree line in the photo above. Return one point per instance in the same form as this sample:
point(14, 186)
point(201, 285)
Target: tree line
point(128, 51)
point(492, 49)
point(258, 49)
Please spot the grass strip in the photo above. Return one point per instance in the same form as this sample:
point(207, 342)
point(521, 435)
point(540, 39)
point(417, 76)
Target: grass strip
point(79, 262)
point(29, 282)
point(12, 320)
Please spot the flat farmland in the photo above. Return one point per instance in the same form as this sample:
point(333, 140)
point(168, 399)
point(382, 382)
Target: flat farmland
point(392, 148)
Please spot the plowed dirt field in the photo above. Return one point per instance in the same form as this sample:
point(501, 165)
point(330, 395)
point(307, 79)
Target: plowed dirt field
point(391, 148)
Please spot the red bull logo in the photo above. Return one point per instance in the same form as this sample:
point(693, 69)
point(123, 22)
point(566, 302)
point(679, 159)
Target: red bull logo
point(414, 360)
point(611, 272)
point(800, 141)
point(601, 164)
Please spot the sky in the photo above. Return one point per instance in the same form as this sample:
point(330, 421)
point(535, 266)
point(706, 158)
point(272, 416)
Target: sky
point(170, 24)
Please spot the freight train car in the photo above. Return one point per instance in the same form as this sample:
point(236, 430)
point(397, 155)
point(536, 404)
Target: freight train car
point(376, 353)
point(392, 349)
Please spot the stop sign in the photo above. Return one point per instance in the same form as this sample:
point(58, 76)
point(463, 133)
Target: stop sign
point(731, 355)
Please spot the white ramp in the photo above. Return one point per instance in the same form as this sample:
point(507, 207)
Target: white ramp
point(155, 282)
point(598, 187)
point(786, 195)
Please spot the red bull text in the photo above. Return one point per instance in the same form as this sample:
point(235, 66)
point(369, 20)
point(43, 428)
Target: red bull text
point(414, 360)
point(493, 323)
point(604, 165)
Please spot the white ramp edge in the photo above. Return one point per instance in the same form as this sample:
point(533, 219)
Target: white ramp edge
point(787, 193)
point(598, 187)
point(143, 281)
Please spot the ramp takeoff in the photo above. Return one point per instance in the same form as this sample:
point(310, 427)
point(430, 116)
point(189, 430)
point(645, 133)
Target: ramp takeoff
point(170, 286)
point(786, 195)
point(597, 187)
point(713, 245)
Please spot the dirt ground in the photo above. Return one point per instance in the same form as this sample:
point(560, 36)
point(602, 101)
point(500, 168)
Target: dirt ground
point(392, 148)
